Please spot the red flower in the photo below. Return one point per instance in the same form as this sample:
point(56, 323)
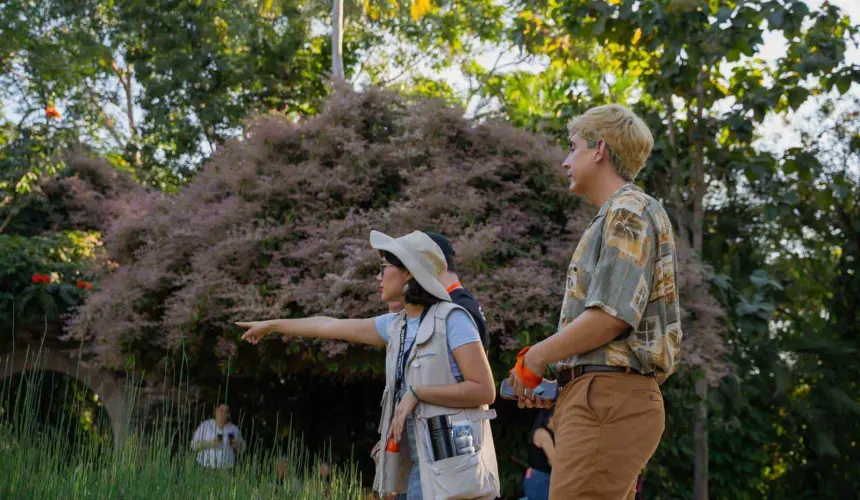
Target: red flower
point(37, 278)
point(89, 286)
point(41, 278)
point(46, 278)
point(84, 284)
point(51, 112)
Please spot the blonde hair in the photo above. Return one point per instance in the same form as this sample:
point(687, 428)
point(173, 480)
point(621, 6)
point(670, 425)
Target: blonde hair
point(627, 138)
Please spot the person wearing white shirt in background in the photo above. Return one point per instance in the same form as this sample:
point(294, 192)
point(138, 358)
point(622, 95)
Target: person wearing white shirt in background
point(217, 441)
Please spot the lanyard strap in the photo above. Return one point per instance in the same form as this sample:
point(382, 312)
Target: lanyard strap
point(403, 354)
point(400, 355)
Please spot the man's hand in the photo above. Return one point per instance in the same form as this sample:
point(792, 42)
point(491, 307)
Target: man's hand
point(256, 330)
point(527, 398)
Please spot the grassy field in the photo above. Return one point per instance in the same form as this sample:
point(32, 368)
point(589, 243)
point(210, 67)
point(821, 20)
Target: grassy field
point(60, 461)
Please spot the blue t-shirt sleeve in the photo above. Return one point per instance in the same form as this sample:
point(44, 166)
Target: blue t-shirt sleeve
point(461, 330)
point(382, 324)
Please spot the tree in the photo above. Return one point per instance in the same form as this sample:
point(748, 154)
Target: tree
point(810, 219)
point(159, 83)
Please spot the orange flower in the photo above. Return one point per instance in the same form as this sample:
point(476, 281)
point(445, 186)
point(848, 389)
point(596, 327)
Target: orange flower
point(51, 112)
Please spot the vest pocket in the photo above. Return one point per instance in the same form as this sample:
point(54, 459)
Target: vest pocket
point(385, 410)
point(394, 474)
point(462, 476)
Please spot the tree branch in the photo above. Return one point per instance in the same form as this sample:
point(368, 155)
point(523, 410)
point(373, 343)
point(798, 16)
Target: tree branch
point(125, 80)
point(406, 69)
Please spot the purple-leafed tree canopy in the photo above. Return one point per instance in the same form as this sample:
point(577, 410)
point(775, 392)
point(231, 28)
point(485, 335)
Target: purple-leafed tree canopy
point(277, 225)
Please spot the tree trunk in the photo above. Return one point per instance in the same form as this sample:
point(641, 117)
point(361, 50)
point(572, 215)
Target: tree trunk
point(700, 436)
point(675, 187)
point(337, 42)
point(6, 221)
point(129, 102)
point(700, 429)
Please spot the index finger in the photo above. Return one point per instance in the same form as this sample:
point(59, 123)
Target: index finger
point(244, 324)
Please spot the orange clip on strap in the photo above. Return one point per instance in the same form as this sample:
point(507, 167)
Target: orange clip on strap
point(529, 379)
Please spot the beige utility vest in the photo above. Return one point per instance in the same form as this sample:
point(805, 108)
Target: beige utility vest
point(474, 475)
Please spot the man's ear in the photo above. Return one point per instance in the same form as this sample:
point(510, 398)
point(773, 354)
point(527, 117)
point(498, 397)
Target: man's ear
point(600, 150)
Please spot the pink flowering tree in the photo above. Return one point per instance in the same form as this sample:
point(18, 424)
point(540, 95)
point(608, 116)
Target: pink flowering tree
point(277, 223)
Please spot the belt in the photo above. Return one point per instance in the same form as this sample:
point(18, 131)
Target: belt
point(571, 374)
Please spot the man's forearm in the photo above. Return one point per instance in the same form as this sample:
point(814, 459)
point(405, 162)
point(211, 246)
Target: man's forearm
point(587, 332)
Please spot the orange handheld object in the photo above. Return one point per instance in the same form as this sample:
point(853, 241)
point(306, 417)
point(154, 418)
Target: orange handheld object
point(528, 378)
point(392, 446)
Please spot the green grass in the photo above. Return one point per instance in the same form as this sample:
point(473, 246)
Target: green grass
point(44, 462)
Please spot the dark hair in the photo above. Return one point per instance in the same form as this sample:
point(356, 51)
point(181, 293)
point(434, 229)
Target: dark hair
point(446, 248)
point(415, 294)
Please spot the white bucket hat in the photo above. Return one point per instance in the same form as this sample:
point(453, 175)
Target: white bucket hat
point(421, 256)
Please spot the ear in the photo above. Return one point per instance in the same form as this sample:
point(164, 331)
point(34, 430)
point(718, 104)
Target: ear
point(600, 150)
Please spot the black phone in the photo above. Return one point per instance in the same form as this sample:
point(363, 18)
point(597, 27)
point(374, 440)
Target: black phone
point(548, 389)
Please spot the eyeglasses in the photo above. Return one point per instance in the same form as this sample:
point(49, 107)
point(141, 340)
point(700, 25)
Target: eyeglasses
point(383, 266)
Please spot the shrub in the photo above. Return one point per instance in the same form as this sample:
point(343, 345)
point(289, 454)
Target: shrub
point(44, 276)
point(277, 224)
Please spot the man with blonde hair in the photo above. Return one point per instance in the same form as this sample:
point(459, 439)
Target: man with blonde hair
point(619, 332)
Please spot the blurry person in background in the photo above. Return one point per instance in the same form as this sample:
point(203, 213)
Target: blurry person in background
point(217, 441)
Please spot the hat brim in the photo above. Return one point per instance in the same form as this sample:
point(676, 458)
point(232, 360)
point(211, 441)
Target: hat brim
point(424, 278)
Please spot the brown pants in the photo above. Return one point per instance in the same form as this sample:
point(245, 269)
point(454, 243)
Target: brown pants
point(607, 426)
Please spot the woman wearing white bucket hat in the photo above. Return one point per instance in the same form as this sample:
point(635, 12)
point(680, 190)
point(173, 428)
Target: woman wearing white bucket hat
point(421, 387)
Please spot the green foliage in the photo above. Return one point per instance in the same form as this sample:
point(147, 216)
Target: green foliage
point(65, 257)
point(26, 155)
point(160, 83)
point(207, 65)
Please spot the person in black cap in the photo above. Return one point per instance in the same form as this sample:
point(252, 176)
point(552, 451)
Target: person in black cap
point(459, 295)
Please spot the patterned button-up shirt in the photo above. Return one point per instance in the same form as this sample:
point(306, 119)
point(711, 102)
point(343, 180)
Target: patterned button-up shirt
point(625, 264)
